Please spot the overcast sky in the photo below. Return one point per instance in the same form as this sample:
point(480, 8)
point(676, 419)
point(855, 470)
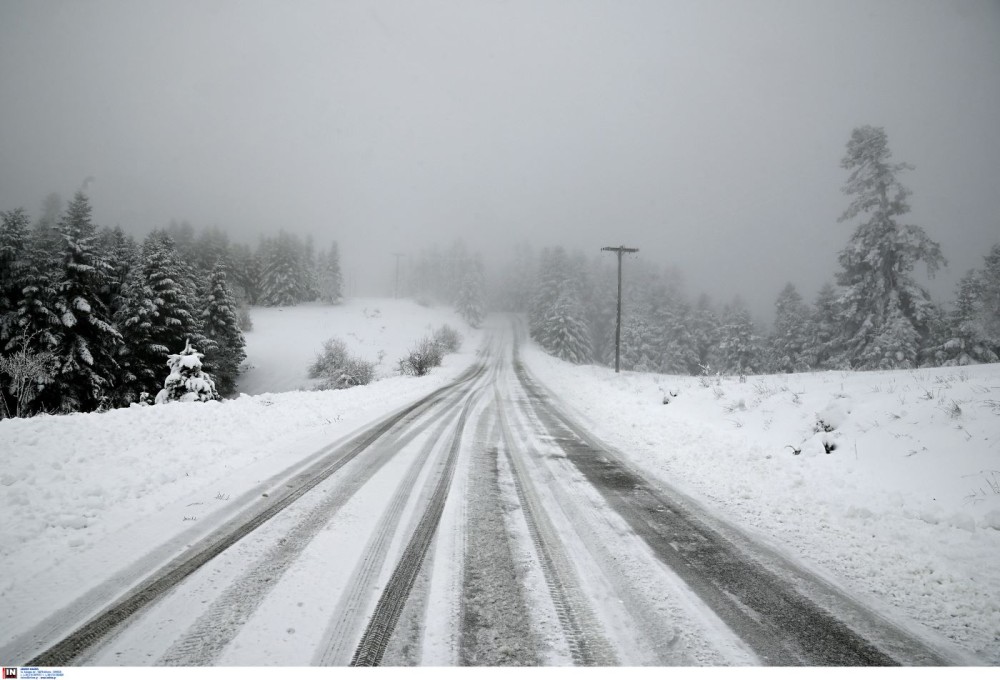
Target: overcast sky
point(706, 133)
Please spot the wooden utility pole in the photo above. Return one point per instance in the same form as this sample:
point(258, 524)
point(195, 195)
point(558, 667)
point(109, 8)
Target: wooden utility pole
point(618, 325)
point(395, 292)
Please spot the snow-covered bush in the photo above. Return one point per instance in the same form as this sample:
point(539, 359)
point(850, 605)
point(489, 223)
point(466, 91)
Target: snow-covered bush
point(448, 339)
point(340, 370)
point(187, 382)
point(422, 358)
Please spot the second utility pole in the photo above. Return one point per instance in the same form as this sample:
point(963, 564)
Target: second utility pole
point(618, 326)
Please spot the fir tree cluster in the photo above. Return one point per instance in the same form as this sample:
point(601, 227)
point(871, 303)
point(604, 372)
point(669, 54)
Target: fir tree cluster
point(454, 277)
point(89, 317)
point(876, 315)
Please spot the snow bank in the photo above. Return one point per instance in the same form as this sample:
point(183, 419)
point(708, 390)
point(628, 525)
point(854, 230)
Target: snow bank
point(903, 509)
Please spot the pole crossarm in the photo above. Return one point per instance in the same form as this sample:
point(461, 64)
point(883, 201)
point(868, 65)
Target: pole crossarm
point(620, 250)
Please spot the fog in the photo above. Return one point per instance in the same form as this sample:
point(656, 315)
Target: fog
point(706, 133)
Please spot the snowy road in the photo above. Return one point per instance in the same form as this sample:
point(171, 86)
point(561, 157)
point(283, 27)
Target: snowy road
point(480, 525)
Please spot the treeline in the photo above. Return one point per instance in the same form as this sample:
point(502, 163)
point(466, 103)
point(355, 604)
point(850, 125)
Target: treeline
point(453, 277)
point(88, 315)
point(874, 316)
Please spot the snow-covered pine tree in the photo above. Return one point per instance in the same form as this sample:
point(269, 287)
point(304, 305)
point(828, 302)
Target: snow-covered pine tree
point(220, 325)
point(677, 347)
point(157, 313)
point(122, 255)
point(788, 345)
point(329, 278)
point(282, 281)
point(564, 334)
point(14, 247)
point(187, 381)
point(739, 347)
point(884, 312)
point(823, 344)
point(989, 305)
point(973, 334)
point(24, 341)
point(557, 317)
point(245, 275)
point(469, 303)
point(86, 341)
point(45, 233)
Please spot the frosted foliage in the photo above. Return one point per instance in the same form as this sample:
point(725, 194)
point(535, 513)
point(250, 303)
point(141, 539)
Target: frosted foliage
point(187, 382)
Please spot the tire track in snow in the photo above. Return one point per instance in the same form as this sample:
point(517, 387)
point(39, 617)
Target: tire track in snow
point(338, 641)
point(390, 604)
point(150, 589)
point(587, 644)
point(229, 612)
point(495, 627)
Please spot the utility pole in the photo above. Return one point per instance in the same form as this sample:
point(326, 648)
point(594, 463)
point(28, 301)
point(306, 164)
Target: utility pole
point(396, 289)
point(618, 326)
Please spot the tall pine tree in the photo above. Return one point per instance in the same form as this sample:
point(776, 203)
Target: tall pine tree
point(221, 327)
point(86, 341)
point(886, 315)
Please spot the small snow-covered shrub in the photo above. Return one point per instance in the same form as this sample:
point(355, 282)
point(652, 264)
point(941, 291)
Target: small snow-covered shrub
point(187, 381)
point(421, 359)
point(448, 339)
point(338, 369)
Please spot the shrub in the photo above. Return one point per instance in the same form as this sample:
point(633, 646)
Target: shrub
point(448, 339)
point(422, 358)
point(340, 370)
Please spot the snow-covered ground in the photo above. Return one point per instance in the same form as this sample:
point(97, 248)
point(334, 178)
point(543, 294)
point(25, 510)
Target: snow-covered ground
point(285, 340)
point(904, 512)
point(81, 495)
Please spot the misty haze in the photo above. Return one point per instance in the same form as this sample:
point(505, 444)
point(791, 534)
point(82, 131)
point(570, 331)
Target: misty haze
point(494, 333)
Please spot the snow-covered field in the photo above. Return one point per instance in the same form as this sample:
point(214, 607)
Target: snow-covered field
point(904, 512)
point(285, 340)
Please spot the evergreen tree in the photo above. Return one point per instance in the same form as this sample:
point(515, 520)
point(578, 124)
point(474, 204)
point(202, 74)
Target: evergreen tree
point(187, 381)
point(157, 313)
point(822, 346)
point(329, 279)
point(739, 348)
point(469, 304)
point(789, 344)
point(678, 347)
point(14, 247)
point(245, 274)
point(221, 326)
point(122, 254)
point(885, 313)
point(282, 279)
point(973, 334)
point(557, 318)
point(989, 305)
point(86, 342)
